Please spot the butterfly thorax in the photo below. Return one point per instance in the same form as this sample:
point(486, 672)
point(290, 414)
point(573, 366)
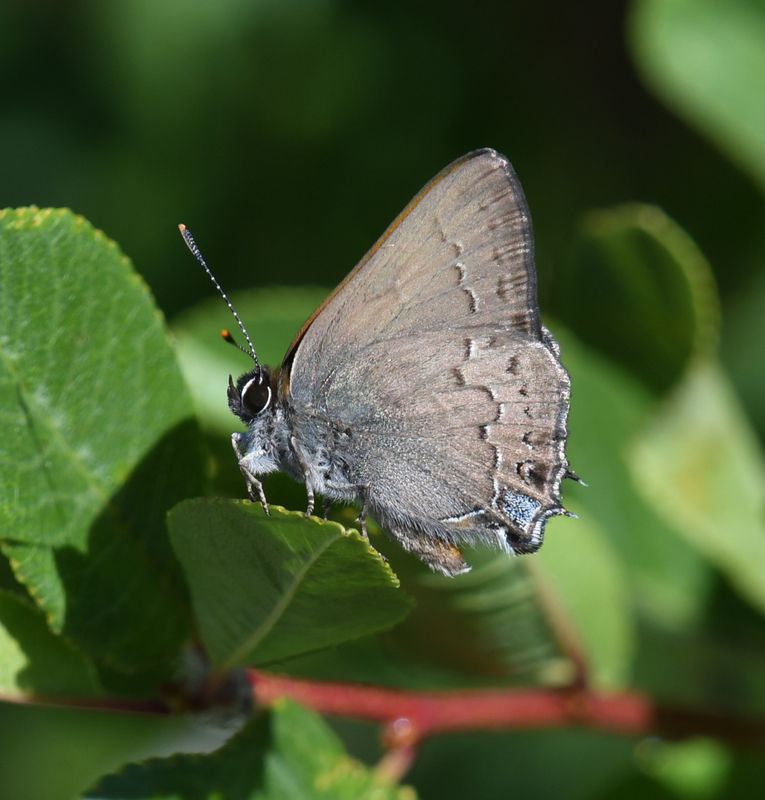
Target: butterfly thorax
point(264, 446)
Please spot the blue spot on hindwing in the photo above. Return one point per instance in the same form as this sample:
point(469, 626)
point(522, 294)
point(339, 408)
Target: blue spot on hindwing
point(520, 508)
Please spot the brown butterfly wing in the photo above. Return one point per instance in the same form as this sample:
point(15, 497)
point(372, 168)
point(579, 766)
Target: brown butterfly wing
point(481, 183)
point(432, 355)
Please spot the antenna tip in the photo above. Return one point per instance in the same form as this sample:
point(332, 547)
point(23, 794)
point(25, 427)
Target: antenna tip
point(181, 227)
point(226, 334)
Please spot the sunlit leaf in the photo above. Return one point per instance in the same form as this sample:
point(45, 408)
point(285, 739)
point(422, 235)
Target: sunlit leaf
point(98, 440)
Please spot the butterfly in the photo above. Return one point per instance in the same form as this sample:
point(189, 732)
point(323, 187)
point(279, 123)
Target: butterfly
point(425, 387)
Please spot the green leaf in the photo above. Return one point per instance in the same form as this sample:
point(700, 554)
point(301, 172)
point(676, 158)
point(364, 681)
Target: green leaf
point(698, 768)
point(730, 653)
point(522, 620)
point(645, 295)
point(98, 440)
point(491, 622)
point(562, 764)
point(742, 357)
point(8, 580)
point(700, 465)
point(273, 317)
point(496, 608)
point(706, 60)
point(35, 661)
point(668, 579)
point(514, 621)
point(577, 569)
point(288, 753)
point(382, 660)
point(77, 746)
point(268, 588)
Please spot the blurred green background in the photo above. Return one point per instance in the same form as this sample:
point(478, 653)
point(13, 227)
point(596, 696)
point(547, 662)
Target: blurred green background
point(287, 134)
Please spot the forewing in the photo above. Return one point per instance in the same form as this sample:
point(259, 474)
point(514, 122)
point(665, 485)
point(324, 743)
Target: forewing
point(432, 355)
point(468, 229)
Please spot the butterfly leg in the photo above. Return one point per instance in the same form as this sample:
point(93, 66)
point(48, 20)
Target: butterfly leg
point(255, 489)
point(306, 476)
point(254, 486)
point(362, 518)
point(311, 501)
point(326, 507)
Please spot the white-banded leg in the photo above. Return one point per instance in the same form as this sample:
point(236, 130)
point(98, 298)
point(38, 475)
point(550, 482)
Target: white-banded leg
point(311, 500)
point(306, 476)
point(326, 507)
point(254, 486)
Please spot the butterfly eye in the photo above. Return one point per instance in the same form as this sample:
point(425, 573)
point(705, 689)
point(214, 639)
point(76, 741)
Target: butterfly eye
point(256, 395)
point(251, 395)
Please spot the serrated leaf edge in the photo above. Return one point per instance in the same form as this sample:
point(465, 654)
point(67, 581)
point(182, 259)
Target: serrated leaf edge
point(267, 625)
point(29, 217)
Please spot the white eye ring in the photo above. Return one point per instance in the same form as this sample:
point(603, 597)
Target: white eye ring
point(248, 384)
point(257, 381)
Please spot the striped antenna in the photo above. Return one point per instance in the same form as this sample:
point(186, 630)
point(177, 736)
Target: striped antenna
point(192, 245)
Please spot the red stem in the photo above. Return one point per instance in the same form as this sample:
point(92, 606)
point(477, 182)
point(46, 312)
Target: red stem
point(427, 713)
point(411, 716)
